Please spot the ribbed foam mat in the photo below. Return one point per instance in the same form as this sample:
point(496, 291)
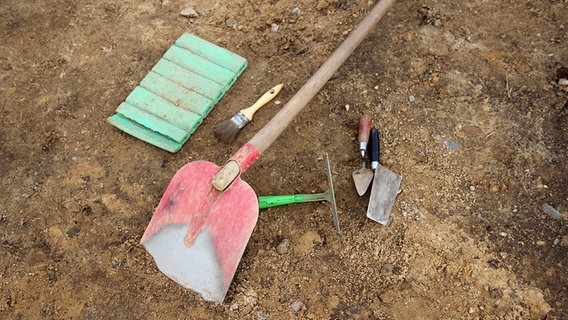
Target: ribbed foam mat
point(172, 100)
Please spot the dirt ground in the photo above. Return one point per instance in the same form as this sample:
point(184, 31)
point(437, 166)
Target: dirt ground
point(469, 100)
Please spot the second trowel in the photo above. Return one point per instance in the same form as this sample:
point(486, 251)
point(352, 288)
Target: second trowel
point(385, 185)
point(363, 176)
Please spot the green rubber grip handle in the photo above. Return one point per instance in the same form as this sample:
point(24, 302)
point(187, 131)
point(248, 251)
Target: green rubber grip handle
point(281, 200)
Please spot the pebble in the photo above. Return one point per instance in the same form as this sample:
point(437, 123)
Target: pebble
point(563, 82)
point(230, 22)
point(283, 246)
point(297, 12)
point(189, 12)
point(346, 107)
point(411, 98)
point(297, 306)
point(387, 269)
point(564, 241)
point(274, 27)
point(550, 210)
point(450, 144)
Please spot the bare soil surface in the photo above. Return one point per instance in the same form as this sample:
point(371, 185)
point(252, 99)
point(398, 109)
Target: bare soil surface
point(472, 110)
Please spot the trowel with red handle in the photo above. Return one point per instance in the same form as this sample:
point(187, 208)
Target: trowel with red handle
point(363, 176)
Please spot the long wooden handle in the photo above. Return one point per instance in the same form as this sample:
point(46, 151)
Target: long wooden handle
point(272, 130)
point(269, 95)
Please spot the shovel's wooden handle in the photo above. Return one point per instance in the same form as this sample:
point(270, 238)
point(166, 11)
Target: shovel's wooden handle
point(272, 130)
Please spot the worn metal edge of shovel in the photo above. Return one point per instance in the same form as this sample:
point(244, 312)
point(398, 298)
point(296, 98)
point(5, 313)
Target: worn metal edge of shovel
point(203, 222)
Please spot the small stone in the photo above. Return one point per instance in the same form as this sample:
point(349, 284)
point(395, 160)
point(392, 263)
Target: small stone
point(274, 27)
point(283, 246)
point(564, 241)
point(450, 144)
point(563, 82)
point(346, 107)
point(189, 12)
point(438, 23)
point(540, 243)
point(297, 306)
point(71, 233)
point(551, 211)
point(230, 22)
point(297, 12)
point(411, 98)
point(503, 234)
point(387, 269)
point(472, 188)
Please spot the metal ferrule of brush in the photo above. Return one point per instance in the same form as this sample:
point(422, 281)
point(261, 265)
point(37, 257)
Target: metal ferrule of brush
point(240, 120)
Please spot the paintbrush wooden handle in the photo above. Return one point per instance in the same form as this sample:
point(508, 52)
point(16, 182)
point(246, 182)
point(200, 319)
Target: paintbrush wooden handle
point(272, 130)
point(269, 95)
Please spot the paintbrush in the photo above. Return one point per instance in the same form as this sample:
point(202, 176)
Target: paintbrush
point(227, 131)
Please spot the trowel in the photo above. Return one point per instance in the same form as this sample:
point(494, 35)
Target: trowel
point(385, 185)
point(363, 176)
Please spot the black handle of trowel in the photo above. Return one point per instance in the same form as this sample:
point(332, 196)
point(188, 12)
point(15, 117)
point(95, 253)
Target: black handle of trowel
point(374, 145)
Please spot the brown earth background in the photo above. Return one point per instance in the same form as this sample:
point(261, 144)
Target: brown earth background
point(469, 100)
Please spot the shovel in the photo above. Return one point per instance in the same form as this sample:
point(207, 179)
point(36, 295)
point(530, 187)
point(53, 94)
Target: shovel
point(363, 176)
point(385, 185)
point(329, 196)
point(206, 216)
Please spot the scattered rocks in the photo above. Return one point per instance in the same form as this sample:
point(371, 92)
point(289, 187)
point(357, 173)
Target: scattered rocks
point(551, 211)
point(450, 144)
point(189, 12)
point(387, 269)
point(297, 306)
point(283, 246)
point(564, 241)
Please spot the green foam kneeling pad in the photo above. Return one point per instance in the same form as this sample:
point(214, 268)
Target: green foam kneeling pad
point(182, 88)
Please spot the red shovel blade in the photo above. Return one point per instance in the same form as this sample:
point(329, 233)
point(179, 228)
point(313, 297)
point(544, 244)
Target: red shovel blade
point(198, 234)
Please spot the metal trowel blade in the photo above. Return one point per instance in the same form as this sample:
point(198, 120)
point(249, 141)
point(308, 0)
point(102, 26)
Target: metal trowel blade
point(383, 194)
point(362, 178)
